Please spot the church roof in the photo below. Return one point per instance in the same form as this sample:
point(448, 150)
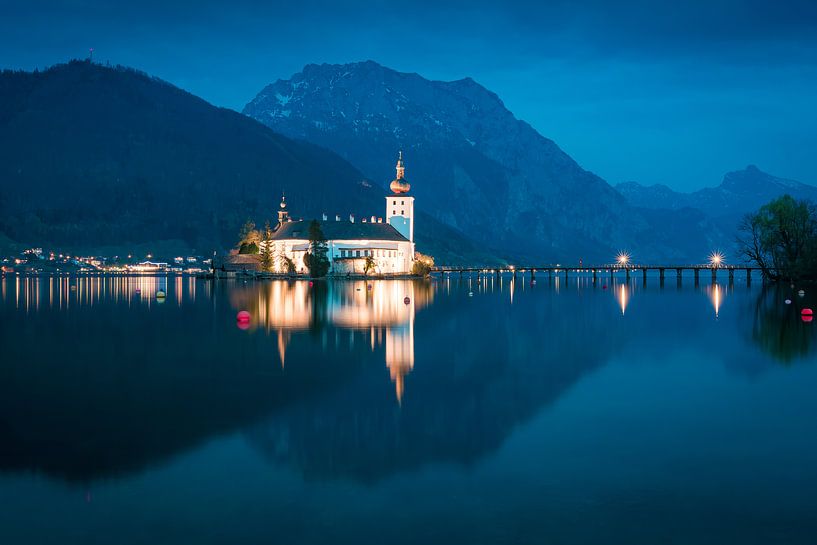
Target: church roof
point(339, 230)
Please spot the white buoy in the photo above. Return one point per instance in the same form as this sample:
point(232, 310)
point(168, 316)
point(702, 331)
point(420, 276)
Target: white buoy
point(470, 294)
point(160, 294)
point(788, 301)
point(801, 293)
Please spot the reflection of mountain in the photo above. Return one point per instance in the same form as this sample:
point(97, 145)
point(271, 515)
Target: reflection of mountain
point(480, 369)
point(160, 379)
point(104, 387)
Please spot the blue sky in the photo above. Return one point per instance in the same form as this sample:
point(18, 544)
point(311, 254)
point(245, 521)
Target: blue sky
point(646, 91)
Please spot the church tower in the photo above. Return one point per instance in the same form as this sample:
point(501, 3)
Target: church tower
point(399, 205)
point(283, 214)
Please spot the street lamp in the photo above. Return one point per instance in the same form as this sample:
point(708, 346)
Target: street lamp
point(716, 259)
point(623, 258)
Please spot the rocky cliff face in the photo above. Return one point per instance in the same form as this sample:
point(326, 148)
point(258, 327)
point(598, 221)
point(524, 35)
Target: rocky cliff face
point(472, 164)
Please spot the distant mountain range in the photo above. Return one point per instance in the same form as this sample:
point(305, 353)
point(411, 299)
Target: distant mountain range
point(476, 167)
point(97, 157)
point(94, 157)
point(740, 192)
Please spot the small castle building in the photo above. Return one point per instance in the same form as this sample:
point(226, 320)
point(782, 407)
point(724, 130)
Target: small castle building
point(388, 245)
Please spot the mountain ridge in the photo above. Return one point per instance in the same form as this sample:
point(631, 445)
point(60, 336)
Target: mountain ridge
point(478, 168)
point(739, 192)
point(94, 156)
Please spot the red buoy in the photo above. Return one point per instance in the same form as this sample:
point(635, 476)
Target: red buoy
point(243, 316)
point(310, 283)
point(407, 300)
point(807, 315)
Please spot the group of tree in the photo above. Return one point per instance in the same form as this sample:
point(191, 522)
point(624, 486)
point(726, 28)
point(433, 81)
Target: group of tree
point(316, 259)
point(267, 257)
point(781, 238)
point(422, 264)
point(249, 238)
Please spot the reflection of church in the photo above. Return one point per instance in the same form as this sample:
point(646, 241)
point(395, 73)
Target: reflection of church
point(387, 246)
point(376, 310)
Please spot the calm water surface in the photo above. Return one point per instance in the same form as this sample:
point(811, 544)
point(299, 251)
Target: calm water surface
point(561, 412)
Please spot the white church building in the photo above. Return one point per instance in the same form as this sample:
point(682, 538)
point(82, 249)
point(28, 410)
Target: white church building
point(350, 242)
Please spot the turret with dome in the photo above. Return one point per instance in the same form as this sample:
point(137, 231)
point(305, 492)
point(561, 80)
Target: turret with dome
point(399, 206)
point(400, 185)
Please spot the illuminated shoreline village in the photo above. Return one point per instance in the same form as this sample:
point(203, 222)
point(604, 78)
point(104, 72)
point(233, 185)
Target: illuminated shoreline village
point(350, 243)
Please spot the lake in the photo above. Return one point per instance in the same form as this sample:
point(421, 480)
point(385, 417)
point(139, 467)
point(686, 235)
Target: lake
point(443, 411)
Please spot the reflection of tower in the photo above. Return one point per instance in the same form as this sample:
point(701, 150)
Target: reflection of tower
point(399, 206)
point(400, 350)
point(400, 354)
point(283, 340)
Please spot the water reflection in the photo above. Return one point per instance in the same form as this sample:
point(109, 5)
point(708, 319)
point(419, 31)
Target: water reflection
point(383, 311)
point(716, 296)
point(777, 328)
point(623, 297)
point(98, 379)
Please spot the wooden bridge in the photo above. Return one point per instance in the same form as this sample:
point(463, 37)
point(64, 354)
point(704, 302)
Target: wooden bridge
point(612, 270)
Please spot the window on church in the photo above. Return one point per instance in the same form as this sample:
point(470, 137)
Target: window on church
point(394, 212)
point(357, 253)
point(394, 202)
point(402, 212)
point(402, 203)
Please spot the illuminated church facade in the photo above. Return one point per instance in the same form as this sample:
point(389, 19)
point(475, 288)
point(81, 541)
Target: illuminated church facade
point(351, 243)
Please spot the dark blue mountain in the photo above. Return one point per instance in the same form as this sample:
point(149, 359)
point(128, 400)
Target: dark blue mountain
point(94, 156)
point(473, 164)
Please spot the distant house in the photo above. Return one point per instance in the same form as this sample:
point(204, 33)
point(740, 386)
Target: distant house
point(147, 266)
point(389, 244)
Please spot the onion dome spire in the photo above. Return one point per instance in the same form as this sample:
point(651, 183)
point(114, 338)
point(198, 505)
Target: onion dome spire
point(283, 213)
point(400, 185)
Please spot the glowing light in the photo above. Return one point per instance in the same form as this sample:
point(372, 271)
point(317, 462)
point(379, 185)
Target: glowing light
point(716, 295)
point(623, 298)
point(623, 258)
point(716, 259)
